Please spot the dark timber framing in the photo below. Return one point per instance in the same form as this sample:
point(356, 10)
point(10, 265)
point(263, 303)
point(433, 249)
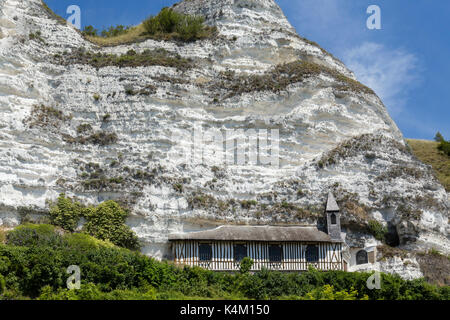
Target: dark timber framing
point(293, 255)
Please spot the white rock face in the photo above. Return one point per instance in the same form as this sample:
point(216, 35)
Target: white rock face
point(343, 140)
point(408, 268)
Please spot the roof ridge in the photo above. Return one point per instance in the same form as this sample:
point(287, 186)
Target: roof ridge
point(251, 233)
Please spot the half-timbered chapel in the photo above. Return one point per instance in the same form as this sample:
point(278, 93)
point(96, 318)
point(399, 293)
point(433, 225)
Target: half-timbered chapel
point(292, 248)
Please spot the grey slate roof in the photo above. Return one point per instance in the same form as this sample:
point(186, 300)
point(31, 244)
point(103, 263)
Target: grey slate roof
point(331, 203)
point(256, 233)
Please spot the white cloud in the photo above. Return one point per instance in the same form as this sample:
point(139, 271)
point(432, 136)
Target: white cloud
point(391, 73)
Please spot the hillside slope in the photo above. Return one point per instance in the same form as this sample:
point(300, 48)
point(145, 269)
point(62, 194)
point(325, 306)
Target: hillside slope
point(428, 153)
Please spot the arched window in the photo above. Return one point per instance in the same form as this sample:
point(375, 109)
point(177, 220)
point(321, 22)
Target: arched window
point(361, 257)
point(312, 253)
point(333, 218)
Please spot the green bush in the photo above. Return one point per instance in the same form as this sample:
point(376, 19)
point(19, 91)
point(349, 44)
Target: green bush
point(246, 265)
point(107, 33)
point(2, 284)
point(66, 213)
point(190, 27)
point(114, 31)
point(168, 21)
point(84, 242)
point(33, 235)
point(92, 292)
point(438, 137)
point(104, 222)
point(107, 222)
point(328, 292)
point(27, 269)
point(152, 25)
point(445, 147)
point(90, 31)
point(378, 230)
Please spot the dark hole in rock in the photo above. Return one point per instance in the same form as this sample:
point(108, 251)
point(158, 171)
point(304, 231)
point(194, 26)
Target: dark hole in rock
point(392, 238)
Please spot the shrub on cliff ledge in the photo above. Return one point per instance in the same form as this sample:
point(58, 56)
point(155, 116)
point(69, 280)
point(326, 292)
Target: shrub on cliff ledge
point(89, 31)
point(171, 24)
point(167, 25)
point(115, 31)
point(378, 230)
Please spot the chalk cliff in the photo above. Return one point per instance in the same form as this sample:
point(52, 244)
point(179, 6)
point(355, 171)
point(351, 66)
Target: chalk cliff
point(99, 133)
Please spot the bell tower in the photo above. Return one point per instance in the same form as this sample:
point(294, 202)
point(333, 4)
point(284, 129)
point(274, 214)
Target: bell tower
point(333, 219)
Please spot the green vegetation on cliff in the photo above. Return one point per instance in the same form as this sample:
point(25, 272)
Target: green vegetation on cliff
point(280, 77)
point(105, 221)
point(131, 59)
point(167, 25)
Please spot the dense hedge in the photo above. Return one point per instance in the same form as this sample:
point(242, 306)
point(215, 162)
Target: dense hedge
point(34, 260)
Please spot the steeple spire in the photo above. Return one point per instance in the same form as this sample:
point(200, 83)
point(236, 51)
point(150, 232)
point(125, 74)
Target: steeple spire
point(333, 219)
point(331, 203)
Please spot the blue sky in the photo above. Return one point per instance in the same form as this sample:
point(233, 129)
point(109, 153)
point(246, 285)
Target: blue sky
point(406, 62)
